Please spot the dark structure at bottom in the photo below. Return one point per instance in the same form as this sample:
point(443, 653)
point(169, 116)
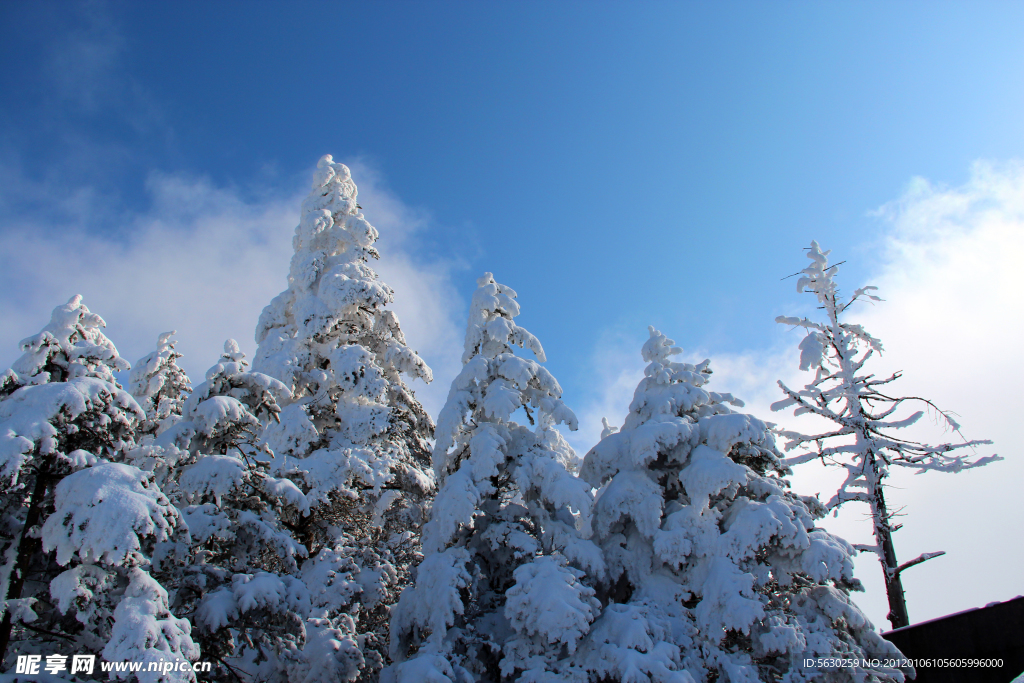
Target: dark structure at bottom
point(976, 636)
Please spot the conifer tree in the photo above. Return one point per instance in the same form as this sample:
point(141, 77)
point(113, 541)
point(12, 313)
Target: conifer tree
point(501, 593)
point(862, 441)
point(352, 435)
point(240, 582)
point(80, 527)
point(108, 523)
point(715, 570)
point(160, 386)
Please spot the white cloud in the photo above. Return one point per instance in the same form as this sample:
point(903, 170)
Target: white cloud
point(204, 260)
point(949, 271)
point(951, 322)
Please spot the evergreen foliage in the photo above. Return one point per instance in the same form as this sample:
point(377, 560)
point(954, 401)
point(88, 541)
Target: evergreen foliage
point(715, 569)
point(80, 527)
point(500, 594)
point(301, 522)
point(238, 581)
point(160, 386)
point(352, 435)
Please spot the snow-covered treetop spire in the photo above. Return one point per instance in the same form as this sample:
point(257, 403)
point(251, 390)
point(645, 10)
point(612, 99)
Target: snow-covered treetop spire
point(333, 298)
point(331, 223)
point(494, 380)
point(659, 347)
point(158, 384)
point(667, 384)
point(490, 330)
point(71, 345)
point(657, 350)
point(819, 278)
point(330, 331)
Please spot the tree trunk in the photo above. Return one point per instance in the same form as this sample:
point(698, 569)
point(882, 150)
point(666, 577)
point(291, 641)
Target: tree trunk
point(897, 616)
point(27, 547)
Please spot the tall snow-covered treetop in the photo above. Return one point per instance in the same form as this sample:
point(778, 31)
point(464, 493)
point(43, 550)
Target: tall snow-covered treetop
point(159, 385)
point(332, 295)
point(352, 435)
point(71, 345)
point(715, 570)
point(490, 329)
point(500, 594)
point(331, 340)
point(861, 441)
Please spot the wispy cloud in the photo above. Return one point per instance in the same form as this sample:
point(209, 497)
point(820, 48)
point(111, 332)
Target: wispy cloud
point(84, 64)
point(87, 113)
point(950, 276)
point(205, 260)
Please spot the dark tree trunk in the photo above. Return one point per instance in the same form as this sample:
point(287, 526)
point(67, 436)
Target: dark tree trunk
point(897, 616)
point(27, 547)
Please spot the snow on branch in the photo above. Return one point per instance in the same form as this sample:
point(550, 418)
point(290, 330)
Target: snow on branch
point(923, 557)
point(865, 418)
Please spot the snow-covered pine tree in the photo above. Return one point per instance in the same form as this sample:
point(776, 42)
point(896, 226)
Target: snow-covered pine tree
point(353, 435)
point(239, 583)
point(715, 570)
point(109, 522)
point(79, 528)
point(500, 594)
point(862, 441)
point(159, 385)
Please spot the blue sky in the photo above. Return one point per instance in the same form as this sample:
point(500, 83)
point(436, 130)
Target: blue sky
point(618, 164)
point(546, 141)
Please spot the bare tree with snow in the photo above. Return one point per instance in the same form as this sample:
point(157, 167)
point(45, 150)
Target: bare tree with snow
point(501, 593)
point(715, 569)
point(863, 413)
point(352, 435)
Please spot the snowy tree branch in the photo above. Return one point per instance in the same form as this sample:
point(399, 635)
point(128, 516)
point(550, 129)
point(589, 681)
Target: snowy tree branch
point(923, 557)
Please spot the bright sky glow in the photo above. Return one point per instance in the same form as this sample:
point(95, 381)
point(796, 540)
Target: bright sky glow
point(618, 164)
